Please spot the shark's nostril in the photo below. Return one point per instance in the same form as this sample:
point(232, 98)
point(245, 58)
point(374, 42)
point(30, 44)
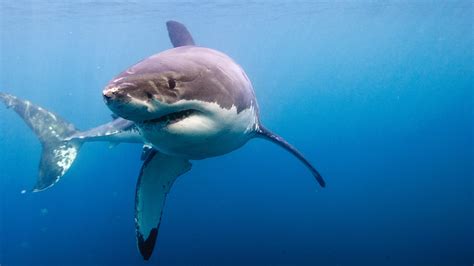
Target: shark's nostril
point(108, 95)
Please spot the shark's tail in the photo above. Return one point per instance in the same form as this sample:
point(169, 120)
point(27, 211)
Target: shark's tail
point(58, 154)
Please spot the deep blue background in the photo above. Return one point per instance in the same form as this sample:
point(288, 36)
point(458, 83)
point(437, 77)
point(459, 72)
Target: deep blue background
point(378, 95)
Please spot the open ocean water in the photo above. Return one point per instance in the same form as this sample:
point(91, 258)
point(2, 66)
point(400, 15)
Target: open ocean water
point(377, 94)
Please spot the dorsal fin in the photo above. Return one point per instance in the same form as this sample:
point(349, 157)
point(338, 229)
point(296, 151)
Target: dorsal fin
point(179, 35)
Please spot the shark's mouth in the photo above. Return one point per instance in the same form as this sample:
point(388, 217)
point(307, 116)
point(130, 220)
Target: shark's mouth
point(171, 118)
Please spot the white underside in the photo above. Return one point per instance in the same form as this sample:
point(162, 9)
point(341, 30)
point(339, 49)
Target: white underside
point(211, 132)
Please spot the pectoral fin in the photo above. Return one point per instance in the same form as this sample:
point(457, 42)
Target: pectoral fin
point(157, 175)
point(268, 135)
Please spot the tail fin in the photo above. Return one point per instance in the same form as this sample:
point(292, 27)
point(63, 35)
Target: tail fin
point(58, 154)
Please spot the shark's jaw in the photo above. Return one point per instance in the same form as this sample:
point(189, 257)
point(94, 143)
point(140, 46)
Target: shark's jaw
point(190, 129)
point(171, 118)
point(146, 111)
point(185, 127)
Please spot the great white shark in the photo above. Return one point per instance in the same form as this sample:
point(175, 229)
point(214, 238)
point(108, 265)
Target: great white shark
point(185, 103)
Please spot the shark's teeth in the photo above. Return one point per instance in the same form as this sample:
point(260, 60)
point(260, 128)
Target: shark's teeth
point(172, 117)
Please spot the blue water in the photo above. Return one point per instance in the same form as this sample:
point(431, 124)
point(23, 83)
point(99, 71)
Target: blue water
point(379, 96)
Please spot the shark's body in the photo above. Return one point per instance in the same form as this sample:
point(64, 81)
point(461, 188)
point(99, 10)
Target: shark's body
point(206, 82)
point(186, 103)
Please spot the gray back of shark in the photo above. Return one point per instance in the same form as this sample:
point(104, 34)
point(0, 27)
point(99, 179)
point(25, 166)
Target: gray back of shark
point(185, 73)
point(161, 93)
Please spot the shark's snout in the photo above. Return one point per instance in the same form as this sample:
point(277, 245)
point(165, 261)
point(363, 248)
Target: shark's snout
point(108, 95)
point(117, 93)
point(127, 101)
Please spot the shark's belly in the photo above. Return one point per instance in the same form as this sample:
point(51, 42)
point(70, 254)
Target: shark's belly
point(204, 135)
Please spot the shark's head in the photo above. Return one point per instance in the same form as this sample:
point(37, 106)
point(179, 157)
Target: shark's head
point(188, 91)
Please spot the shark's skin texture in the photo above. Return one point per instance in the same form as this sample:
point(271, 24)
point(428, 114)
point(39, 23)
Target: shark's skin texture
point(185, 103)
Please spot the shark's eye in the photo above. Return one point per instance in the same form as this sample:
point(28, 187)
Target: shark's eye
point(171, 83)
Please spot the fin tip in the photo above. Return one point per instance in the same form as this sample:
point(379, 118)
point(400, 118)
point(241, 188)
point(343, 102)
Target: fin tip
point(147, 245)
